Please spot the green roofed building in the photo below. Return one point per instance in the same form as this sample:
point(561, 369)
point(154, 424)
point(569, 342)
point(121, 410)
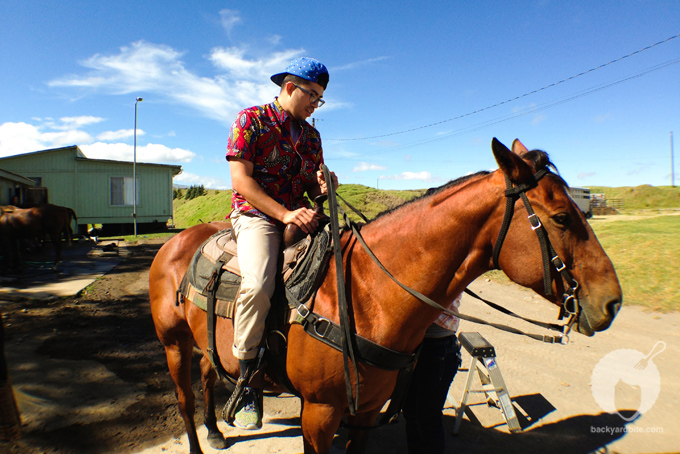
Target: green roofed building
point(99, 191)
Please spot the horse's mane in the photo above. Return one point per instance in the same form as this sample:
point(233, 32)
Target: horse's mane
point(432, 191)
point(538, 159)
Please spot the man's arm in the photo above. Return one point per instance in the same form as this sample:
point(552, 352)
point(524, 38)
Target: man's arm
point(242, 181)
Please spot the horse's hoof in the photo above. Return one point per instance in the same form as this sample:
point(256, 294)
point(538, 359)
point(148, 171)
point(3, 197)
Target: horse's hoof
point(217, 441)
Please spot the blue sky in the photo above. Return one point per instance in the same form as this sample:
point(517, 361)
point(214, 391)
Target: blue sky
point(413, 85)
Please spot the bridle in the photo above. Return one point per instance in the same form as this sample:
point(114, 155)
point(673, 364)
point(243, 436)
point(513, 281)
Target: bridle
point(570, 303)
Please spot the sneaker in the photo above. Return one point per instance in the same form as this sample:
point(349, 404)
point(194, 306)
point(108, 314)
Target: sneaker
point(248, 414)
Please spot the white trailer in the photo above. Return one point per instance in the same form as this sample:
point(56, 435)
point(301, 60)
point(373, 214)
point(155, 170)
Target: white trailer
point(582, 198)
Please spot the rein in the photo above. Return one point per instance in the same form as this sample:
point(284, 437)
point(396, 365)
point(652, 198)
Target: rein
point(570, 303)
point(347, 338)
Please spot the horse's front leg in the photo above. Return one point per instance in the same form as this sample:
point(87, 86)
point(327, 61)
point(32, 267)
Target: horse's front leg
point(357, 439)
point(319, 424)
point(208, 378)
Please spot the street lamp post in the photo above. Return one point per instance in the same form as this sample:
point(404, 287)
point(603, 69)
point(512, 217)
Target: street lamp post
point(134, 172)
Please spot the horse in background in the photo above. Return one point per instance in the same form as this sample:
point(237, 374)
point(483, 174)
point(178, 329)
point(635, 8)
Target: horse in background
point(38, 222)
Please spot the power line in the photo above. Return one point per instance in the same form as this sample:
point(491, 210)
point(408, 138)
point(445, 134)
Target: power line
point(512, 99)
point(526, 111)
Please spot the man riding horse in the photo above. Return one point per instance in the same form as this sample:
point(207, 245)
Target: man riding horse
point(274, 157)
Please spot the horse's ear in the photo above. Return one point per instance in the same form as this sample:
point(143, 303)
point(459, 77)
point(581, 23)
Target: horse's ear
point(510, 163)
point(518, 147)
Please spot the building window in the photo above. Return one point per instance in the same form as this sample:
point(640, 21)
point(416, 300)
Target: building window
point(122, 191)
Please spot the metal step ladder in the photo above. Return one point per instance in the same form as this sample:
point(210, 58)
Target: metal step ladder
point(493, 386)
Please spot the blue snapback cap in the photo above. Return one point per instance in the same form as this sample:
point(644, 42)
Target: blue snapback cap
point(306, 68)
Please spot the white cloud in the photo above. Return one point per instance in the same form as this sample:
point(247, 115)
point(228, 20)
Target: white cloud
point(65, 138)
point(358, 64)
point(74, 122)
point(151, 153)
point(229, 18)
point(109, 136)
point(424, 175)
point(18, 138)
point(159, 69)
point(191, 179)
point(365, 166)
point(538, 119)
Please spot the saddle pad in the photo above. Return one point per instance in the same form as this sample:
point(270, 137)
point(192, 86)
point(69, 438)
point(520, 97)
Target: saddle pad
point(193, 287)
point(302, 269)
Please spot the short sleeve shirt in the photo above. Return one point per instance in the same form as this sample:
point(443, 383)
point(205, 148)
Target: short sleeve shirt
point(284, 169)
point(447, 321)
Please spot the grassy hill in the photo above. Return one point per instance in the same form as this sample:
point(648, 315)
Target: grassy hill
point(216, 204)
point(642, 197)
point(213, 206)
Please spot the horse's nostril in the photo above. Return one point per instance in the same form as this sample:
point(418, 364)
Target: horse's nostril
point(612, 307)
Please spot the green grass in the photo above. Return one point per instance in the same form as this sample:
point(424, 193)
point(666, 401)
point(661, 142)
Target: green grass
point(372, 202)
point(214, 206)
point(642, 197)
point(645, 254)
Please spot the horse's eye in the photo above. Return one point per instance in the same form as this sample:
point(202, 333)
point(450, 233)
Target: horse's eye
point(562, 219)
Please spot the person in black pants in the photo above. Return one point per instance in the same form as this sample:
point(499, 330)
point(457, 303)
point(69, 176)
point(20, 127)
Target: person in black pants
point(437, 365)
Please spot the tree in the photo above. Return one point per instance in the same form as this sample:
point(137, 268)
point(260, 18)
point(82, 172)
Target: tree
point(195, 191)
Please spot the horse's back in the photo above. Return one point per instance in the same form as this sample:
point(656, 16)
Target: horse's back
point(168, 268)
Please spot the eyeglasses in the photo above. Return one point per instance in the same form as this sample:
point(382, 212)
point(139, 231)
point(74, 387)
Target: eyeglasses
point(313, 98)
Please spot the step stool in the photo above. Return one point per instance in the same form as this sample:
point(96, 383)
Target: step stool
point(484, 362)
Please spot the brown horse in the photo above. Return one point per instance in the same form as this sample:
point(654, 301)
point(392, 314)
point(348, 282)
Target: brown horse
point(37, 222)
point(437, 244)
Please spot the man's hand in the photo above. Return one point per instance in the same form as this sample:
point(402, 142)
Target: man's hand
point(322, 181)
point(303, 218)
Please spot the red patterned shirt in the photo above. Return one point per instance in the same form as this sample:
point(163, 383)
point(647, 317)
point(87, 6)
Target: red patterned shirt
point(284, 169)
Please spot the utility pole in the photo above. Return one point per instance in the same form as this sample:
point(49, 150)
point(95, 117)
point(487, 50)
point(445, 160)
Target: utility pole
point(134, 172)
point(672, 164)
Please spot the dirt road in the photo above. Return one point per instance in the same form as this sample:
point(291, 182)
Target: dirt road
point(92, 379)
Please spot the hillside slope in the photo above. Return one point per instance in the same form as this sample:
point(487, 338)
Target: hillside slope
point(217, 204)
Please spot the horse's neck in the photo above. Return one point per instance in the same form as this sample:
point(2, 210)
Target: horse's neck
point(436, 245)
point(439, 230)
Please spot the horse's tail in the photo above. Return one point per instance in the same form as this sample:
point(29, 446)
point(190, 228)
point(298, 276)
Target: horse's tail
point(68, 231)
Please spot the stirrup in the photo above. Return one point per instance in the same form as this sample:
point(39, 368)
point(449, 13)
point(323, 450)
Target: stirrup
point(229, 411)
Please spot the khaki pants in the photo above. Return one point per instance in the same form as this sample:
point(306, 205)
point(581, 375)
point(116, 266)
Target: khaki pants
point(258, 244)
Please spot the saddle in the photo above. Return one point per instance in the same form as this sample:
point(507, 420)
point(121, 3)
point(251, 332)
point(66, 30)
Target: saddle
point(214, 271)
